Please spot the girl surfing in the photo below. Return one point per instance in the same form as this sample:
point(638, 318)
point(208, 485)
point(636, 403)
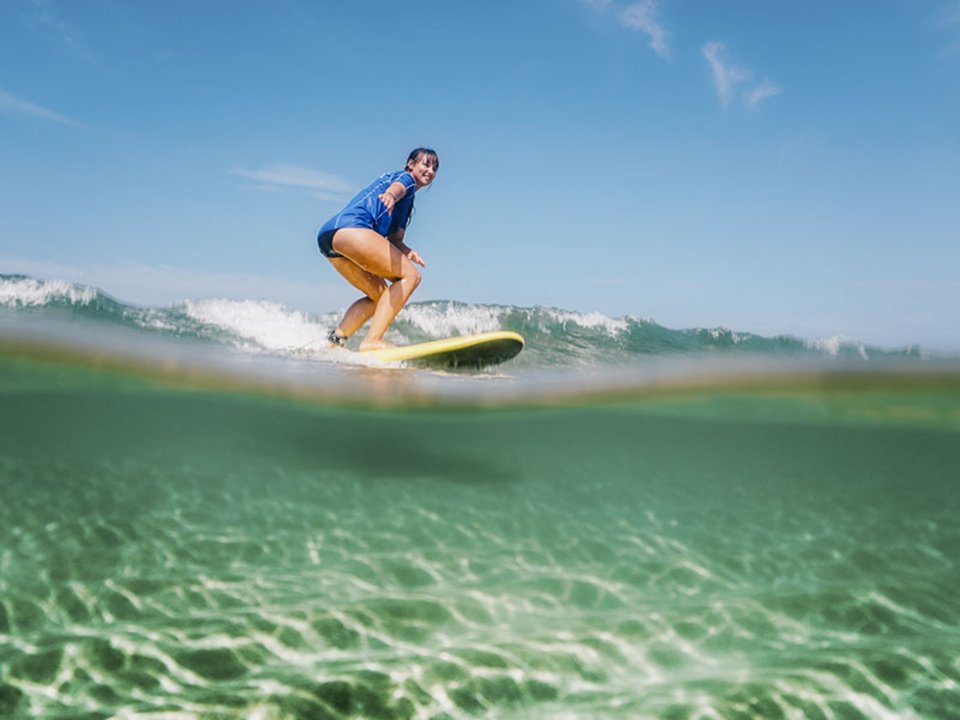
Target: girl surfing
point(365, 243)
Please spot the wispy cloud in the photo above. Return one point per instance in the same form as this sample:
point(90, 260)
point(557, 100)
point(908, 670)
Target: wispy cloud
point(726, 75)
point(764, 90)
point(45, 19)
point(642, 16)
point(12, 105)
point(729, 78)
point(275, 177)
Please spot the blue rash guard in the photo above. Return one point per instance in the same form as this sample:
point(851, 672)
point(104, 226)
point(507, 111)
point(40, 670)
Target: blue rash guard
point(366, 210)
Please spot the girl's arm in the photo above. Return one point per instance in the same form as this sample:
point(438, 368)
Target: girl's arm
point(396, 237)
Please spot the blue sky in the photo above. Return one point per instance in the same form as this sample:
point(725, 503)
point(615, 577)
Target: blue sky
point(766, 166)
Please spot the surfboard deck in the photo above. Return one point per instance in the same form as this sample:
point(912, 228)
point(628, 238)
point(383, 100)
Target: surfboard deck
point(475, 351)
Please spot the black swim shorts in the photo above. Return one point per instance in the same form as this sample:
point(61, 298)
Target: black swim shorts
point(325, 241)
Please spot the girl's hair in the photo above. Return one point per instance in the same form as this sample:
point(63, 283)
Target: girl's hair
point(420, 151)
point(413, 157)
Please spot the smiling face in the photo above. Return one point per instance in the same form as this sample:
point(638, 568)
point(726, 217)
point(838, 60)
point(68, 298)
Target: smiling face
point(423, 167)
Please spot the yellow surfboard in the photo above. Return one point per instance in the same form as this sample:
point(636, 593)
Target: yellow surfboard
point(463, 351)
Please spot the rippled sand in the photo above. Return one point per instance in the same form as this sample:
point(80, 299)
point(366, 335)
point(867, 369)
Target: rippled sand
point(177, 554)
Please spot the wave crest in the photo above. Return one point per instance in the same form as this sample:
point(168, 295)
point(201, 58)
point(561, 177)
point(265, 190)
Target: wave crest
point(22, 291)
point(555, 337)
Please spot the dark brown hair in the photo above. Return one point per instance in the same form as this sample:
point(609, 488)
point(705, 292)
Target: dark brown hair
point(421, 151)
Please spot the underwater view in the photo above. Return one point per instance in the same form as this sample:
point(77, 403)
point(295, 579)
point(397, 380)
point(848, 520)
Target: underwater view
point(206, 513)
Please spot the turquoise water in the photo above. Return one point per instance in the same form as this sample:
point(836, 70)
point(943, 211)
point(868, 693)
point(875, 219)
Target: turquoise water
point(195, 524)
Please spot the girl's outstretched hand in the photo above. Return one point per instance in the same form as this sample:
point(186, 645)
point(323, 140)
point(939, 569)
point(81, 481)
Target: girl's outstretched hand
point(414, 257)
point(388, 201)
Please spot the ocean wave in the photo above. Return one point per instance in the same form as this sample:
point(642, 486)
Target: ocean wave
point(555, 336)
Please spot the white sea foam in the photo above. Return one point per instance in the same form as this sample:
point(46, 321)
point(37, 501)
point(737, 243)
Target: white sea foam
point(29, 292)
point(833, 346)
point(157, 320)
point(722, 333)
point(269, 325)
point(830, 345)
point(592, 320)
point(445, 319)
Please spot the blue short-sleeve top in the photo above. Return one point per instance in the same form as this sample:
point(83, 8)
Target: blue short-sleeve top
point(366, 210)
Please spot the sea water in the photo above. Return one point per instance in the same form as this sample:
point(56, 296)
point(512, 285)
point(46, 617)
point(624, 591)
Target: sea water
point(204, 513)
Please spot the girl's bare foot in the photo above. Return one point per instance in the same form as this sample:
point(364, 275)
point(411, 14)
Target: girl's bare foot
point(375, 345)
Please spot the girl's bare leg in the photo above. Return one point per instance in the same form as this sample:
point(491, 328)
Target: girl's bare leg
point(361, 310)
point(356, 315)
point(368, 257)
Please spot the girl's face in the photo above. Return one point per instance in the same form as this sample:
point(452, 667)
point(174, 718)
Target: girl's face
point(423, 169)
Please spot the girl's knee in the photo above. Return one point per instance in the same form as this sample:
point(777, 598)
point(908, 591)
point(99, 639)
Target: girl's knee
point(410, 273)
